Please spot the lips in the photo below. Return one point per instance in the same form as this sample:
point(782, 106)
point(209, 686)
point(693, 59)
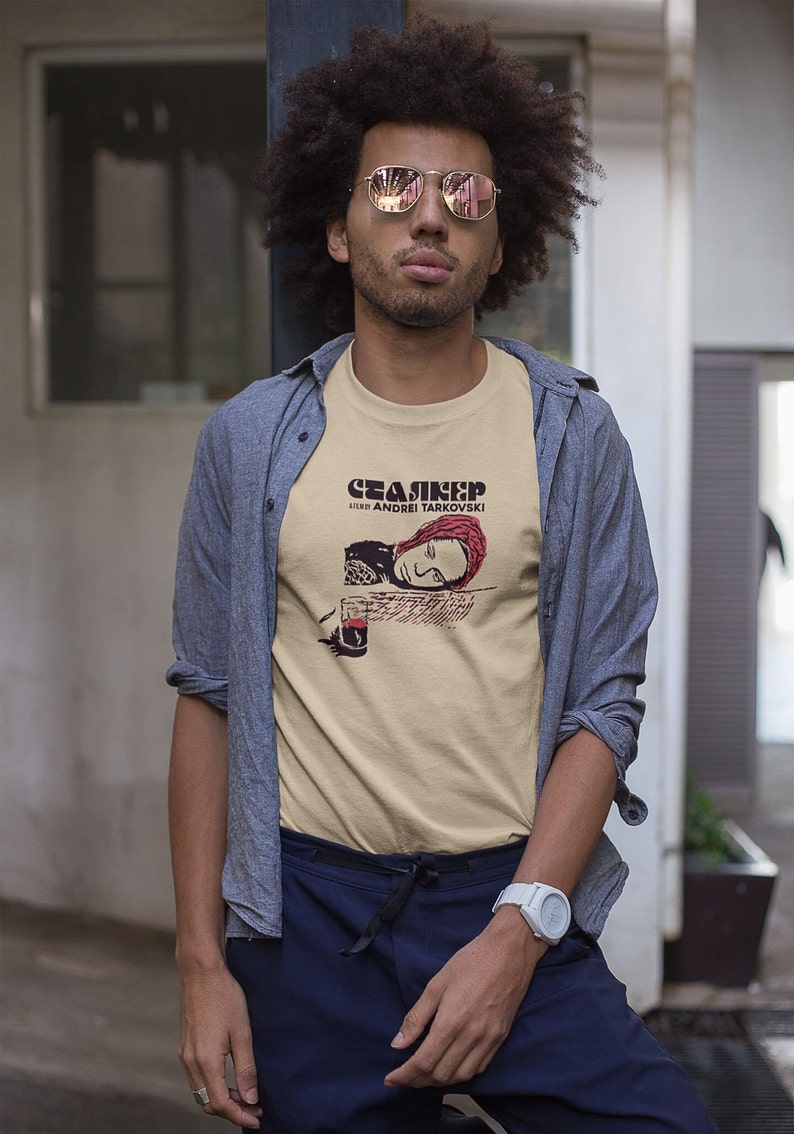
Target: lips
point(427, 266)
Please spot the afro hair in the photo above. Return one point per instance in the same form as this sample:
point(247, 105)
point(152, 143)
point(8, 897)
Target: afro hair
point(428, 73)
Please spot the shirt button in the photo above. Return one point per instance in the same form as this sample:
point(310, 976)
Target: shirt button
point(303, 436)
point(270, 505)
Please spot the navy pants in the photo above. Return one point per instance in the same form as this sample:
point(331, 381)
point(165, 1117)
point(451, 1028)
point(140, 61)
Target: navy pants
point(577, 1060)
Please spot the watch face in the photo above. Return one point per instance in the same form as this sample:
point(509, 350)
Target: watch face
point(554, 915)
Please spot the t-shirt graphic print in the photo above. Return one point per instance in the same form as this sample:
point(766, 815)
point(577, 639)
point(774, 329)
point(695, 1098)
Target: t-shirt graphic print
point(431, 570)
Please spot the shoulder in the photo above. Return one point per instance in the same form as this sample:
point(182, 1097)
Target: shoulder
point(266, 401)
point(242, 426)
point(548, 372)
point(261, 400)
point(257, 413)
point(565, 398)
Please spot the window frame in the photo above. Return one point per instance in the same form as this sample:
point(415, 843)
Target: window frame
point(575, 49)
point(38, 232)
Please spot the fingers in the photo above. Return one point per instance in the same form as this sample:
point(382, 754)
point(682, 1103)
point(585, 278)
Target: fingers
point(416, 1020)
point(225, 1102)
point(434, 1057)
point(205, 1072)
point(472, 1002)
point(448, 1055)
point(244, 1068)
point(215, 1023)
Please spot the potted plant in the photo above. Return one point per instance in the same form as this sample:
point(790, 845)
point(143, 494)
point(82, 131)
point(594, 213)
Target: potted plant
point(728, 884)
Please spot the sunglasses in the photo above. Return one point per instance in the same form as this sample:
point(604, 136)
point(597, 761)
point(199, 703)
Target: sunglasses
point(396, 188)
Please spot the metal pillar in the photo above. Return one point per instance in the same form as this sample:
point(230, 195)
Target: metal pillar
point(299, 33)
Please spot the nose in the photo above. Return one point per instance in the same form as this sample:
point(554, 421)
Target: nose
point(429, 216)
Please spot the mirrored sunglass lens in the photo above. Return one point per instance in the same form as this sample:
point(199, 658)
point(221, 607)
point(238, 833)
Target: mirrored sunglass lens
point(469, 195)
point(394, 188)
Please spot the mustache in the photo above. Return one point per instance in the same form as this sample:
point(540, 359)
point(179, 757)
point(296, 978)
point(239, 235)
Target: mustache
point(427, 246)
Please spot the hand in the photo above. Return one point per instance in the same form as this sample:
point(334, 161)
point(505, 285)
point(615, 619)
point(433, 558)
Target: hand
point(215, 1024)
point(472, 1003)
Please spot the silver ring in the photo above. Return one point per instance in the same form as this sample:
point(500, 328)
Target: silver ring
point(201, 1096)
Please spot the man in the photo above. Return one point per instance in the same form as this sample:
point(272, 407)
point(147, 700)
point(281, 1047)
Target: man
point(425, 804)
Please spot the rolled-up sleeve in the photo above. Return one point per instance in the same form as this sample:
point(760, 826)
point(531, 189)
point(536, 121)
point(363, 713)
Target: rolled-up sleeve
point(202, 587)
point(619, 601)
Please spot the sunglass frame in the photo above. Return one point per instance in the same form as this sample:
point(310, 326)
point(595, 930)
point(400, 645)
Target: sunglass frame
point(443, 188)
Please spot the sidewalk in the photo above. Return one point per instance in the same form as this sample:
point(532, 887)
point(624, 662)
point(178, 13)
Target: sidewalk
point(90, 1008)
point(765, 1009)
point(769, 821)
point(90, 1024)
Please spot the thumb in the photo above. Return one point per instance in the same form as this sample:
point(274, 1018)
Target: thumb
point(245, 1073)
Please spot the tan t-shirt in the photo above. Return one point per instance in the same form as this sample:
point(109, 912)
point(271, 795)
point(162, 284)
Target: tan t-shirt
point(407, 671)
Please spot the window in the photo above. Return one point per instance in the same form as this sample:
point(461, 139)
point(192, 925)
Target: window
point(152, 274)
point(547, 315)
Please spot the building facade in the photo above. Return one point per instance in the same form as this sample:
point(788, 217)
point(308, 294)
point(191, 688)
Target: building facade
point(96, 454)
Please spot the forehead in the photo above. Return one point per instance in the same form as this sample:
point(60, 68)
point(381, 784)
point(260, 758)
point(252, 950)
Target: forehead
point(425, 147)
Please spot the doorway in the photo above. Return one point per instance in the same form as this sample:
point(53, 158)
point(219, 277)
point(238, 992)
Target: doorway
point(775, 702)
point(741, 617)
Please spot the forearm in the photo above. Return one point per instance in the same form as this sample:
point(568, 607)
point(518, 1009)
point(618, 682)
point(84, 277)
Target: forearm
point(571, 812)
point(215, 1020)
point(572, 809)
point(197, 798)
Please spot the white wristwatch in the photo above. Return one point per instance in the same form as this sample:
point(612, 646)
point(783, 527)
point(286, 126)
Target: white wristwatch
point(545, 909)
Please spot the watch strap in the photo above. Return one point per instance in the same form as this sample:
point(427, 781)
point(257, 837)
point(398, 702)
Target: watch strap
point(516, 894)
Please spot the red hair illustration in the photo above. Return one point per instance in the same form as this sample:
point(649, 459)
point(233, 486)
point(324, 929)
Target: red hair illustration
point(465, 529)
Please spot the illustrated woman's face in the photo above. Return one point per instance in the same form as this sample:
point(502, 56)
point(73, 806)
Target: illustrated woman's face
point(432, 565)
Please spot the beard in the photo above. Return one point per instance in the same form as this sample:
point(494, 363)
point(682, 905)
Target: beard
point(419, 304)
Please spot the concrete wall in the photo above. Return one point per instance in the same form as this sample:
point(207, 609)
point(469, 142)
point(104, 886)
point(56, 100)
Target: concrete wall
point(91, 499)
point(744, 172)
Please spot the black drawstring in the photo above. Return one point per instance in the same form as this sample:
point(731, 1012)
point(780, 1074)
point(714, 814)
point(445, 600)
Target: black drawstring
point(421, 870)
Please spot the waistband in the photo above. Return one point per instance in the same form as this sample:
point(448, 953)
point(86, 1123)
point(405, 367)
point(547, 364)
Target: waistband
point(410, 870)
point(313, 849)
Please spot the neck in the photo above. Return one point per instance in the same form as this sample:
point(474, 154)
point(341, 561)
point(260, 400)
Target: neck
point(415, 366)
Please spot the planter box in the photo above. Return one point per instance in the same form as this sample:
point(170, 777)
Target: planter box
point(725, 907)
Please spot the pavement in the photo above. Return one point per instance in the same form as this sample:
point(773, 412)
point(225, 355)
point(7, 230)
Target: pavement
point(89, 1029)
point(768, 819)
point(90, 1008)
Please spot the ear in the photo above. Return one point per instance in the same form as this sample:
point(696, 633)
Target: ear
point(336, 237)
point(497, 259)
